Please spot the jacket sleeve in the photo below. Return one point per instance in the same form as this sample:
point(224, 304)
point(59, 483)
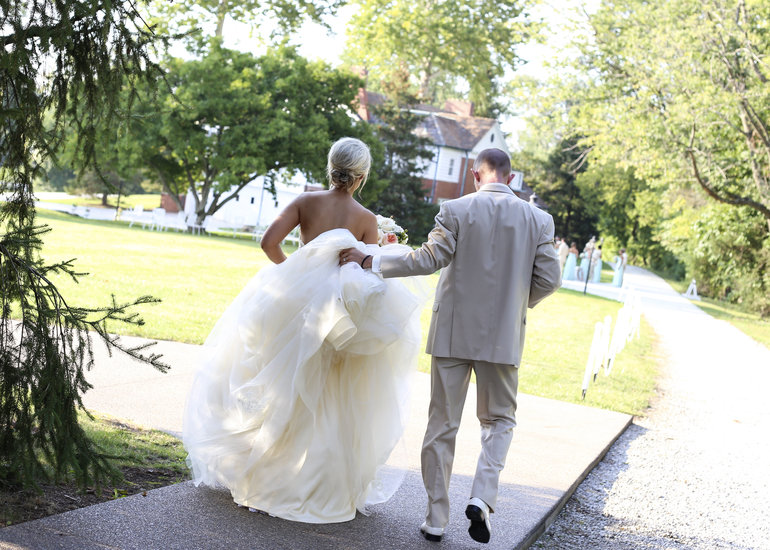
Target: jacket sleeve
point(546, 273)
point(434, 254)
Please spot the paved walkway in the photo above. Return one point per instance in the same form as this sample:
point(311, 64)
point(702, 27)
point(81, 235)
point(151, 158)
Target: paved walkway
point(555, 446)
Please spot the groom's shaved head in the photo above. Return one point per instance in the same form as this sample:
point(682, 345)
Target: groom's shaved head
point(493, 161)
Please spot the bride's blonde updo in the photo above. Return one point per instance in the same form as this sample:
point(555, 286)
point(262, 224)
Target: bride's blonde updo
point(349, 159)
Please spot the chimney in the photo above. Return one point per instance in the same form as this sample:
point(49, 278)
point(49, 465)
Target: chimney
point(362, 107)
point(459, 107)
point(360, 72)
point(363, 101)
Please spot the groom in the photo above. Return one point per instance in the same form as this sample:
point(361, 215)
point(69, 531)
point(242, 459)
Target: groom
point(498, 258)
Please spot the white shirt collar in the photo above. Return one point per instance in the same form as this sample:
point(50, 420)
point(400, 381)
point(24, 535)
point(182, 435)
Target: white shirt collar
point(496, 187)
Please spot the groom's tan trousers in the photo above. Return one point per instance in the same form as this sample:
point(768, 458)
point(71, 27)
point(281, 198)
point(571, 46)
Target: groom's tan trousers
point(496, 387)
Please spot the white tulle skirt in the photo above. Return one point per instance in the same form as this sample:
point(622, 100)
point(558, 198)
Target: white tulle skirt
point(303, 390)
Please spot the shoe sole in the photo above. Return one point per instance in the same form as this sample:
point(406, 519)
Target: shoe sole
point(478, 529)
point(432, 538)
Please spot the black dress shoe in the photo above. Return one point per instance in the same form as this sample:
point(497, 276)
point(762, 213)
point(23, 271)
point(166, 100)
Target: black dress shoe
point(479, 529)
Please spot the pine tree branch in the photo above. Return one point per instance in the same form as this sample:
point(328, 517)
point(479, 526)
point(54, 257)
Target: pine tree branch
point(78, 316)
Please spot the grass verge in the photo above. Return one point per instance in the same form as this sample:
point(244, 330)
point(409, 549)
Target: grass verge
point(148, 459)
point(195, 276)
point(559, 335)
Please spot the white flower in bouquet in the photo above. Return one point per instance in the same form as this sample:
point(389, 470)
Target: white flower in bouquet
point(389, 232)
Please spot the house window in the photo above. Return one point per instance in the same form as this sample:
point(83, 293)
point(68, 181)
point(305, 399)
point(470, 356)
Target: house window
point(451, 166)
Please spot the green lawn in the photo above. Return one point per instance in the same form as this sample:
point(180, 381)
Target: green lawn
point(197, 277)
point(559, 334)
point(608, 272)
point(147, 201)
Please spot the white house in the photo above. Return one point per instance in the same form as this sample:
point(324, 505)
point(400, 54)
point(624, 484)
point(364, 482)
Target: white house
point(254, 205)
point(457, 137)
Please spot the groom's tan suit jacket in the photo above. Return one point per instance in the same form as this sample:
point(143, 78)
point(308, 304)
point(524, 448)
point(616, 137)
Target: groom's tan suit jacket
point(498, 258)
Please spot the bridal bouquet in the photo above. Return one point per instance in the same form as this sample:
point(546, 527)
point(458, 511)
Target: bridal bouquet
point(390, 232)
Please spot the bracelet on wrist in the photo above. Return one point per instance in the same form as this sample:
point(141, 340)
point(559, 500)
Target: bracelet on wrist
point(365, 258)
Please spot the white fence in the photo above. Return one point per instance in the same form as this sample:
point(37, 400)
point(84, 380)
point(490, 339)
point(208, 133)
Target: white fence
point(608, 342)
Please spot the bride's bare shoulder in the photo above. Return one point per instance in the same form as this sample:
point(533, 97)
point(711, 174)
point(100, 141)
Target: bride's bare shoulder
point(313, 196)
point(311, 201)
point(370, 217)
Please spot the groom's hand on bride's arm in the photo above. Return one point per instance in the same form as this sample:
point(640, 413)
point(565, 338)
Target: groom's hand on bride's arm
point(353, 255)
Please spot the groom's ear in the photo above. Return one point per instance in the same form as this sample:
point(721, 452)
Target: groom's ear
point(476, 175)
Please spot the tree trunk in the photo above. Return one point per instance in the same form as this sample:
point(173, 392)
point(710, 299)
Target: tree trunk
point(221, 14)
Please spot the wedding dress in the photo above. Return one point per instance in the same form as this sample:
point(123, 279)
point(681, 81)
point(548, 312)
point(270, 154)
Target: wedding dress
point(303, 390)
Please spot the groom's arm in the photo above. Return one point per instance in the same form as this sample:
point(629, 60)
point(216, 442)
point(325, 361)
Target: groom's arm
point(434, 254)
point(546, 271)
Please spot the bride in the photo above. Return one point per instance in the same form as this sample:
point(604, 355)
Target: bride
point(303, 387)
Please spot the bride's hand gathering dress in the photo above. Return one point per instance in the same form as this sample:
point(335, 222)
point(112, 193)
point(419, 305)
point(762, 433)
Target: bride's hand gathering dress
point(303, 389)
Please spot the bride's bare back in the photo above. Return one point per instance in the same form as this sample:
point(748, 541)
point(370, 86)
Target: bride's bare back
point(316, 213)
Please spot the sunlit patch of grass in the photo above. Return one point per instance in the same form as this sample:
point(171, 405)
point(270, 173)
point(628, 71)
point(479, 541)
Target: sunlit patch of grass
point(147, 201)
point(559, 335)
point(196, 277)
point(131, 446)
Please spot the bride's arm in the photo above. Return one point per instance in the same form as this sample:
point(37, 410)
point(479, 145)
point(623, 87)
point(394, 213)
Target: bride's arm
point(276, 233)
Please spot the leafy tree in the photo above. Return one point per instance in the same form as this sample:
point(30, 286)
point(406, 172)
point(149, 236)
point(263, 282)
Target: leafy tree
point(691, 108)
point(119, 169)
point(402, 196)
point(688, 114)
point(446, 46)
point(688, 110)
point(731, 256)
point(55, 178)
point(68, 59)
point(105, 182)
point(554, 179)
point(628, 215)
point(191, 16)
point(233, 117)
